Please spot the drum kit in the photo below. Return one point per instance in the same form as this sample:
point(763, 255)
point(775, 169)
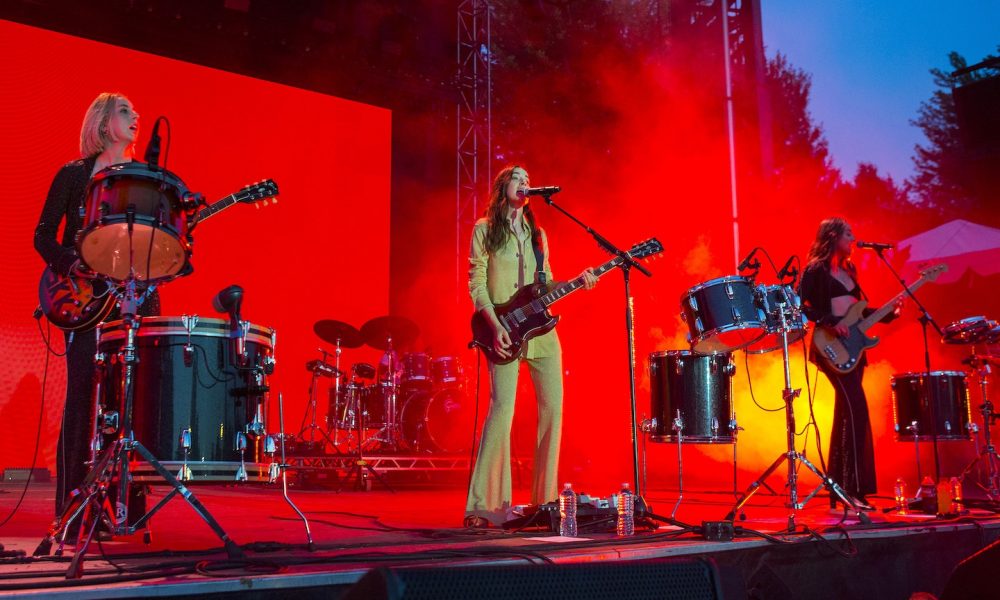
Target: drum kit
point(175, 399)
point(408, 402)
point(691, 390)
point(913, 394)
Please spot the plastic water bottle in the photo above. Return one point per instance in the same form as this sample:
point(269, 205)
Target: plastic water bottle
point(956, 496)
point(902, 504)
point(626, 511)
point(567, 511)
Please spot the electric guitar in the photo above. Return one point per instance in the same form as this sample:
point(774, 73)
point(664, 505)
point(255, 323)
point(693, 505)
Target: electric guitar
point(844, 353)
point(526, 315)
point(77, 303)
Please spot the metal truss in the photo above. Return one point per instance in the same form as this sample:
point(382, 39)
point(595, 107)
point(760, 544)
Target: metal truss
point(474, 121)
point(380, 463)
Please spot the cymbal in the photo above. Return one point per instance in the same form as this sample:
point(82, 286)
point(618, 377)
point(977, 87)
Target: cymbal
point(379, 330)
point(330, 331)
point(967, 331)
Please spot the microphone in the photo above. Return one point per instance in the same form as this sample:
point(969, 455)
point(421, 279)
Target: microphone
point(748, 262)
point(539, 191)
point(153, 148)
point(879, 246)
point(788, 270)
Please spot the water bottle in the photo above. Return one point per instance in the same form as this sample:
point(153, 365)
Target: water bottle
point(902, 505)
point(626, 511)
point(943, 497)
point(956, 495)
point(567, 511)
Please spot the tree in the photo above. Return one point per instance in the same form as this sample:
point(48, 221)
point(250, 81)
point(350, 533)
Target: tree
point(942, 180)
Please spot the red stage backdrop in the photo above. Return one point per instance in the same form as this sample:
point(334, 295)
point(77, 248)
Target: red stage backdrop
point(320, 252)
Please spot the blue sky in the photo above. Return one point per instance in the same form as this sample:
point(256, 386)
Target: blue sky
point(869, 62)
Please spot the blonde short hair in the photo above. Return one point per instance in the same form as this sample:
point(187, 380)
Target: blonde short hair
point(94, 133)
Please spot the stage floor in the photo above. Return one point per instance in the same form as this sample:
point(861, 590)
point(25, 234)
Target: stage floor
point(420, 524)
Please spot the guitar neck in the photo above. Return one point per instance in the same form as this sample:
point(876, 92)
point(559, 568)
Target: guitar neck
point(215, 207)
point(889, 306)
point(571, 286)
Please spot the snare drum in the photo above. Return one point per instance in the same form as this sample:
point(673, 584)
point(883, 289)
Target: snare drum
point(722, 315)
point(192, 381)
point(700, 388)
point(438, 422)
point(158, 246)
point(948, 392)
point(768, 300)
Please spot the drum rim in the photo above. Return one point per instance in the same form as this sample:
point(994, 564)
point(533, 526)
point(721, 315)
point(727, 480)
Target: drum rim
point(727, 328)
point(136, 168)
point(749, 350)
point(662, 353)
point(909, 374)
point(168, 325)
point(712, 282)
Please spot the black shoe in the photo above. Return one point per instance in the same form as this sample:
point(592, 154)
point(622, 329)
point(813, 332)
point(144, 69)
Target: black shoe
point(474, 522)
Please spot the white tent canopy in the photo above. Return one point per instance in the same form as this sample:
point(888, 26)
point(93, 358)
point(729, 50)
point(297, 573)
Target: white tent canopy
point(960, 244)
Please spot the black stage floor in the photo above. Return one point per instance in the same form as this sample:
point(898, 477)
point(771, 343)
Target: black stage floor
point(420, 525)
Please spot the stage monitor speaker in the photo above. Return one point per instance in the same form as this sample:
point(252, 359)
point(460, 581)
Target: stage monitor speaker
point(693, 579)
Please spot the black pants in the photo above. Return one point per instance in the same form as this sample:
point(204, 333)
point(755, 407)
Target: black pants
point(852, 451)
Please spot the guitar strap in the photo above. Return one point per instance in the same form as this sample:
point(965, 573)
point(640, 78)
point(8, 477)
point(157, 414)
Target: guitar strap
point(536, 246)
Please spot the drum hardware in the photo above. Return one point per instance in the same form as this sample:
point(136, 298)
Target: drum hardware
point(792, 457)
point(110, 476)
point(282, 468)
point(983, 368)
point(341, 335)
point(189, 323)
point(185, 442)
point(389, 333)
point(677, 425)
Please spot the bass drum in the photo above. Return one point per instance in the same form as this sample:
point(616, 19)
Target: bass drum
point(204, 390)
point(438, 422)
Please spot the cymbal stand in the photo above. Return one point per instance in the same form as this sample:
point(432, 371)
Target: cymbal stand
point(362, 467)
point(792, 457)
point(284, 476)
point(390, 432)
point(312, 427)
point(331, 414)
point(983, 370)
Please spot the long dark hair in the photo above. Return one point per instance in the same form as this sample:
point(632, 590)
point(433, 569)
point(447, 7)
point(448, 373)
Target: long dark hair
point(496, 213)
point(824, 247)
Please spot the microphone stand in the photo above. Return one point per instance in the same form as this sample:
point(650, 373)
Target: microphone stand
point(626, 267)
point(925, 318)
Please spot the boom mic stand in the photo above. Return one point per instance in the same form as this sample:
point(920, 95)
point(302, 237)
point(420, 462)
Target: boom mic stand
point(924, 319)
point(792, 456)
point(626, 267)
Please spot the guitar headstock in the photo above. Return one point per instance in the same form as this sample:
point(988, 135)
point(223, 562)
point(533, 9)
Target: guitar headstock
point(932, 273)
point(646, 248)
point(255, 192)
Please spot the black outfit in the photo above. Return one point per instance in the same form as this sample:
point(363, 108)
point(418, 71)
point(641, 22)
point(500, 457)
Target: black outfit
point(852, 452)
point(64, 202)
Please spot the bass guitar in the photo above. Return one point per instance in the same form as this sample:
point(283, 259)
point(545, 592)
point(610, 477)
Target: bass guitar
point(79, 303)
point(844, 353)
point(527, 315)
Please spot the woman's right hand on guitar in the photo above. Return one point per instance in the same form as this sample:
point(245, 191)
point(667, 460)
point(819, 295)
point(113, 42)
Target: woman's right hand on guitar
point(501, 341)
point(841, 330)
